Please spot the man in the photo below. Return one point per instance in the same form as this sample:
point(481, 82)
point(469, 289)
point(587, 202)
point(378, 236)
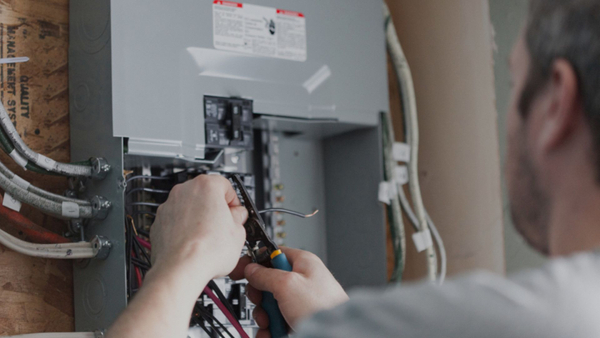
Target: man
point(553, 171)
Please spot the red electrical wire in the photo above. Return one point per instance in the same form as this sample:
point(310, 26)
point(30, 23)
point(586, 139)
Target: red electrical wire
point(226, 312)
point(33, 231)
point(144, 243)
point(209, 293)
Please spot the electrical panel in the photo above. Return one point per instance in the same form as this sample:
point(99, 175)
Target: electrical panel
point(285, 93)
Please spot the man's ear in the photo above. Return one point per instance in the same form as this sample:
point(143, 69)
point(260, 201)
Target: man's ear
point(564, 109)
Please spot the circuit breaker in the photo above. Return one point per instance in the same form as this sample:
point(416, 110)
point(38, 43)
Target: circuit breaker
point(285, 93)
point(228, 122)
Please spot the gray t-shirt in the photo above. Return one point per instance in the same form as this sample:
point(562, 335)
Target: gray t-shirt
point(557, 301)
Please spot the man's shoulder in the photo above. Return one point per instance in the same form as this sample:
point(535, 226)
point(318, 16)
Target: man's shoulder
point(561, 299)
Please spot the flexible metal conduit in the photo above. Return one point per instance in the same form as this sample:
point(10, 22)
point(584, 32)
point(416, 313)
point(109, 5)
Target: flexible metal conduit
point(41, 160)
point(35, 190)
point(61, 209)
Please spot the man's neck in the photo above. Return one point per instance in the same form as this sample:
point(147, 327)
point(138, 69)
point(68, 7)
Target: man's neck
point(575, 219)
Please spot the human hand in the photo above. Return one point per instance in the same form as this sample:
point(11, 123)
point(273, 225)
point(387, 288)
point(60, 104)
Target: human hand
point(309, 288)
point(199, 226)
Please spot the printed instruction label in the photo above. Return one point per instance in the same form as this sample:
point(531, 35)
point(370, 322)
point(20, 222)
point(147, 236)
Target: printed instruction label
point(259, 30)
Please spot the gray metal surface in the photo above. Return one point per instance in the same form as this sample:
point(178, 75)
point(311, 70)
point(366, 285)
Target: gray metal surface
point(99, 285)
point(302, 174)
point(164, 61)
point(356, 246)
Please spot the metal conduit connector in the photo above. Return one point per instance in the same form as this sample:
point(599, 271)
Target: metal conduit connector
point(100, 207)
point(100, 168)
point(102, 247)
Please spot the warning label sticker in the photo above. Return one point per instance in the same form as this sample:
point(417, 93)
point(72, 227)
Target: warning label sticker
point(259, 30)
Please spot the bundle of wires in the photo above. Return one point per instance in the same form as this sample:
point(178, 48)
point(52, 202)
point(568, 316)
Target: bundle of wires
point(138, 249)
point(393, 208)
point(138, 259)
point(419, 217)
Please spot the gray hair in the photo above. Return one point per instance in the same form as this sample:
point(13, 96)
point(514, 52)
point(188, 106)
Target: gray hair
point(569, 30)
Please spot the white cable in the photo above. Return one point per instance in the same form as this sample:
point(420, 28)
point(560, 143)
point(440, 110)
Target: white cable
point(434, 231)
point(390, 165)
point(58, 251)
point(442, 249)
point(412, 134)
point(56, 335)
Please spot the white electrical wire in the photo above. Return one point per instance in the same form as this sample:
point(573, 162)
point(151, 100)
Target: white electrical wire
point(78, 250)
point(396, 221)
point(56, 335)
point(434, 231)
point(409, 105)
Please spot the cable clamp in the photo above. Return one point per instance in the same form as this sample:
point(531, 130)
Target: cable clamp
point(422, 240)
point(401, 174)
point(401, 152)
point(387, 191)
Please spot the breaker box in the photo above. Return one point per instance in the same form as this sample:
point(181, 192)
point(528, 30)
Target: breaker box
point(287, 93)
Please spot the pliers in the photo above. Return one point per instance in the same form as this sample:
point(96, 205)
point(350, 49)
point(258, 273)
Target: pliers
point(263, 251)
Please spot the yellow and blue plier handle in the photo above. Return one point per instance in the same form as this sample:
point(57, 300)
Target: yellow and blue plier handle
point(265, 252)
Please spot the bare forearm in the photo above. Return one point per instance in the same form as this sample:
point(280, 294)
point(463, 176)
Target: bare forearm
point(162, 307)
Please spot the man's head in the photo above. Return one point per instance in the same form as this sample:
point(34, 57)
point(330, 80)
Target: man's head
point(554, 119)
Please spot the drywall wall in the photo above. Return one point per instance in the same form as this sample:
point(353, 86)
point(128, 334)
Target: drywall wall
point(508, 17)
point(449, 47)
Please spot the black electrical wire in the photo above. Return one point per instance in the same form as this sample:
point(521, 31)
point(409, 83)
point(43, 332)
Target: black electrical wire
point(140, 263)
point(200, 323)
point(210, 322)
point(214, 287)
point(142, 232)
point(141, 249)
point(213, 318)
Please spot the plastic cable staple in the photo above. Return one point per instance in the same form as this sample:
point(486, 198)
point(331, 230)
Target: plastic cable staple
point(401, 152)
point(387, 190)
point(422, 240)
point(401, 174)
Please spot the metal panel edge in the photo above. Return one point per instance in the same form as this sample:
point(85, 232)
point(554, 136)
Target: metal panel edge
point(99, 285)
point(356, 242)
